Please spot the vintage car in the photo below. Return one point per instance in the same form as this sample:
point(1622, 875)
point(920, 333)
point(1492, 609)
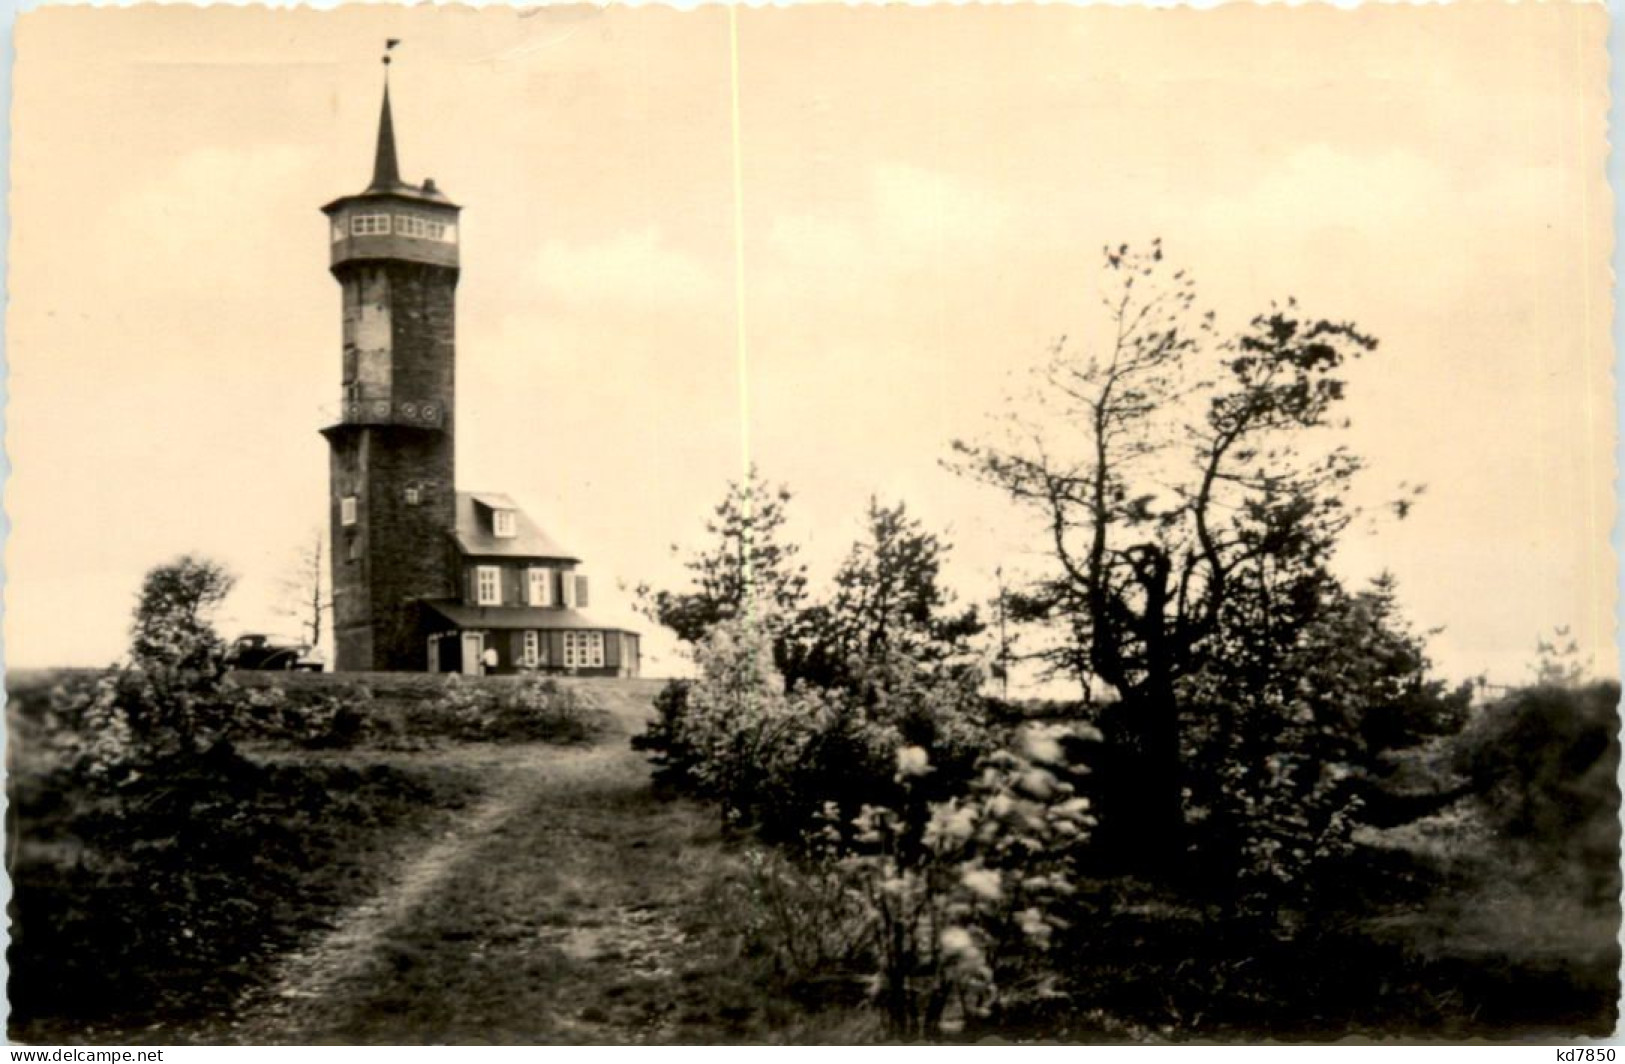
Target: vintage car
point(255, 651)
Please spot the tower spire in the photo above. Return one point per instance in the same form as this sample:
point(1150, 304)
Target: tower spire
point(386, 171)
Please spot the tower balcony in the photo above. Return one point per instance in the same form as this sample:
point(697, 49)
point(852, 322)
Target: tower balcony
point(407, 413)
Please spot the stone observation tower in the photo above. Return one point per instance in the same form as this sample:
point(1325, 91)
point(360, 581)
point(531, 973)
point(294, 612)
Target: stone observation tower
point(394, 254)
point(426, 577)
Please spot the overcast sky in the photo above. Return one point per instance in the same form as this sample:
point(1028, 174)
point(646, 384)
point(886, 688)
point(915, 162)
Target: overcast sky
point(925, 192)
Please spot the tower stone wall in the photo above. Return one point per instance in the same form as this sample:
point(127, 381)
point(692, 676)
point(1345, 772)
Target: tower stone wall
point(393, 446)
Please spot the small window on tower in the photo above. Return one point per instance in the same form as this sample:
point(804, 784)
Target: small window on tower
point(347, 510)
point(414, 495)
point(369, 224)
point(503, 524)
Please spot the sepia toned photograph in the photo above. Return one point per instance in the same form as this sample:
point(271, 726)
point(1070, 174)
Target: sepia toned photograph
point(930, 524)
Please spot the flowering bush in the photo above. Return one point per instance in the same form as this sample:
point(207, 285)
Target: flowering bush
point(966, 894)
point(131, 718)
point(536, 709)
point(774, 757)
point(171, 627)
point(735, 735)
point(953, 844)
point(315, 722)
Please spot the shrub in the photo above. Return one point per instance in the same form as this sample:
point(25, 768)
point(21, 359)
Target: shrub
point(1283, 748)
point(908, 818)
point(171, 627)
point(322, 722)
point(127, 718)
point(1544, 765)
point(170, 891)
point(801, 916)
point(774, 758)
point(536, 709)
point(736, 736)
point(966, 895)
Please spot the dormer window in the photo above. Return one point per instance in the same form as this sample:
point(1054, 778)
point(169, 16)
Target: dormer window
point(503, 525)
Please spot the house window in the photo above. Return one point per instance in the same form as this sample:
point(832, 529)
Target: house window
point(541, 587)
point(347, 511)
point(369, 224)
point(503, 524)
point(533, 649)
point(414, 495)
point(583, 650)
point(488, 585)
point(353, 551)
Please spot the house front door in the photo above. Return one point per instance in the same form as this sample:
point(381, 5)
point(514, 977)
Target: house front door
point(473, 647)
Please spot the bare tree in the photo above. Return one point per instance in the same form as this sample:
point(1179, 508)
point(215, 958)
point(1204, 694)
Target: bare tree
point(306, 591)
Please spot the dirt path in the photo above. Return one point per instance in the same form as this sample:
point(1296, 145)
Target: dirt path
point(567, 905)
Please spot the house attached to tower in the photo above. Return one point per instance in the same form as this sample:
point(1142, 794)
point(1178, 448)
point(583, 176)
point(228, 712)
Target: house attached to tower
point(426, 577)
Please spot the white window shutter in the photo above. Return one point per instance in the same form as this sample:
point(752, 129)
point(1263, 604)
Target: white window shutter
point(568, 587)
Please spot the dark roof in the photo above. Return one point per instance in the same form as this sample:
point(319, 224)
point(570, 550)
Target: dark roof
point(474, 531)
point(493, 500)
point(386, 171)
point(518, 617)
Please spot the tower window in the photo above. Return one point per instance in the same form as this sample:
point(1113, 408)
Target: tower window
point(503, 524)
point(347, 508)
point(369, 225)
point(533, 649)
point(424, 228)
point(488, 585)
point(414, 495)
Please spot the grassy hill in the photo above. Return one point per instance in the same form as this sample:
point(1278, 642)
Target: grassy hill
point(383, 858)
